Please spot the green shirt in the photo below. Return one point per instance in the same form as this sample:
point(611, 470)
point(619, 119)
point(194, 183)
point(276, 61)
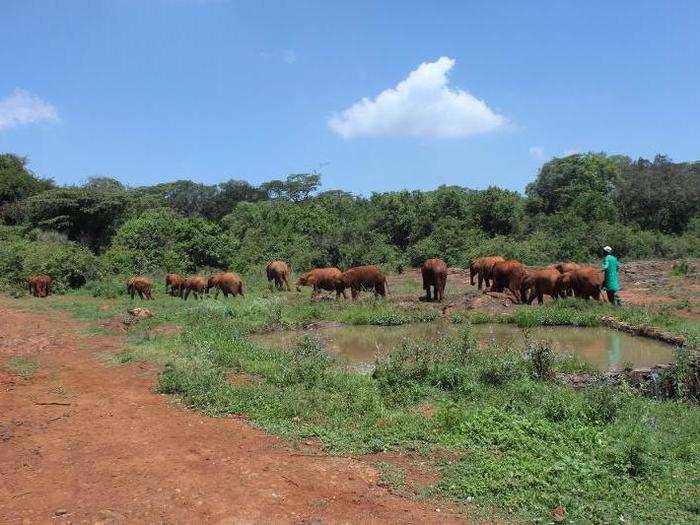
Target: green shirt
point(610, 265)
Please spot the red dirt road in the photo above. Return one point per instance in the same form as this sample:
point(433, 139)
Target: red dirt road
point(82, 442)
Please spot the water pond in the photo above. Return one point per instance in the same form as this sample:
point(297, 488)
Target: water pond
point(604, 348)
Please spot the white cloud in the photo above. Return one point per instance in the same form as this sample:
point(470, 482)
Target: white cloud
point(21, 108)
point(537, 152)
point(422, 105)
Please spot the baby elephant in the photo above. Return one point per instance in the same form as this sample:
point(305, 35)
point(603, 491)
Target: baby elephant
point(363, 278)
point(434, 273)
point(174, 283)
point(40, 285)
point(141, 285)
point(278, 271)
point(228, 283)
point(196, 285)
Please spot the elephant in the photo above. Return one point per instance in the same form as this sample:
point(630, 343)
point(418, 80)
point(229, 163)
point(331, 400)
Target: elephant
point(228, 283)
point(39, 285)
point(508, 274)
point(174, 283)
point(322, 279)
point(540, 282)
point(587, 282)
point(434, 273)
point(279, 272)
point(141, 285)
point(213, 281)
point(483, 267)
point(197, 285)
point(564, 285)
point(564, 267)
point(364, 278)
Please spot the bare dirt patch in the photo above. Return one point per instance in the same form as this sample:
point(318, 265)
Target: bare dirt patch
point(644, 283)
point(82, 442)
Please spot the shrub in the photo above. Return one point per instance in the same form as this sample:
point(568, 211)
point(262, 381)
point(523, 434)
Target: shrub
point(69, 264)
point(309, 363)
point(541, 360)
point(602, 403)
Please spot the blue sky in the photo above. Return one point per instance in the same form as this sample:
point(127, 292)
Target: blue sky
point(155, 90)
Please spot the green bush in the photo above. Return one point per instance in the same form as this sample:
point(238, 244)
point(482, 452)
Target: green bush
point(69, 264)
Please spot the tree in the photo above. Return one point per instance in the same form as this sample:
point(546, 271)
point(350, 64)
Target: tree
point(17, 182)
point(497, 211)
point(295, 188)
point(89, 215)
point(228, 194)
point(579, 181)
point(185, 197)
point(659, 195)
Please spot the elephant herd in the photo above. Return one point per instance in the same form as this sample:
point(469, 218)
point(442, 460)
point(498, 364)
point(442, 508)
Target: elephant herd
point(278, 272)
point(495, 273)
point(556, 280)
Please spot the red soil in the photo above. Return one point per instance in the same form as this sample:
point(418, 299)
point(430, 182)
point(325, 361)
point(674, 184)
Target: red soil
point(84, 442)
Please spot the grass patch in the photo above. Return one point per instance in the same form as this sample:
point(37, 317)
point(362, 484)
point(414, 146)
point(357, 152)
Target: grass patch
point(22, 366)
point(528, 444)
point(525, 443)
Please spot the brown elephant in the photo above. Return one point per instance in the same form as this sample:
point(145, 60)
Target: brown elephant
point(564, 285)
point(322, 279)
point(564, 267)
point(587, 282)
point(213, 281)
point(195, 284)
point(139, 285)
point(434, 273)
point(508, 275)
point(228, 283)
point(39, 285)
point(540, 282)
point(174, 283)
point(364, 278)
point(279, 272)
point(483, 267)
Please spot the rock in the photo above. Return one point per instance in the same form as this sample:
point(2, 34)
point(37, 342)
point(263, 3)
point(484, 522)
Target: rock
point(559, 513)
point(141, 312)
point(60, 512)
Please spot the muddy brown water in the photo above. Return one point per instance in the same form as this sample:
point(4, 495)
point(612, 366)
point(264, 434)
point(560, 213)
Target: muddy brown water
point(604, 348)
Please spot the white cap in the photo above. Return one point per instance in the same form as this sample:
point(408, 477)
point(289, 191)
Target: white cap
point(607, 249)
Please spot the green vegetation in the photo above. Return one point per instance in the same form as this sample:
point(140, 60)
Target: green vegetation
point(523, 442)
point(575, 205)
point(23, 366)
point(527, 444)
point(520, 443)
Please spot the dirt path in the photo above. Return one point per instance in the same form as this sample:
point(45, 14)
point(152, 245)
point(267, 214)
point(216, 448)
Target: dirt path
point(82, 442)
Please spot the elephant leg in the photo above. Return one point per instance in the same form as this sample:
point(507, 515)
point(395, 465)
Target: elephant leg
point(480, 280)
point(353, 293)
point(427, 293)
point(471, 276)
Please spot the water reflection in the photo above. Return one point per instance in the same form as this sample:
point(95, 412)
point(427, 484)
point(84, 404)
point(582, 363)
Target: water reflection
point(602, 347)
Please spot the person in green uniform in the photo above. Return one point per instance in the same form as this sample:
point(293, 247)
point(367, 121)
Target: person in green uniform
point(612, 284)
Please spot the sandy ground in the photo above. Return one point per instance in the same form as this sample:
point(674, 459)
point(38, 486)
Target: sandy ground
point(83, 442)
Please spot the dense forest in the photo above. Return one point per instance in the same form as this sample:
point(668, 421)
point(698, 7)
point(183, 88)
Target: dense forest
point(575, 205)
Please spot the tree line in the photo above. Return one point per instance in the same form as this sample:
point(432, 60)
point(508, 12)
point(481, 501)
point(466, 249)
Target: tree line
point(575, 205)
